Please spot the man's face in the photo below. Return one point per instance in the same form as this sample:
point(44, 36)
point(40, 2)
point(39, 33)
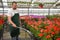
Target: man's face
point(14, 5)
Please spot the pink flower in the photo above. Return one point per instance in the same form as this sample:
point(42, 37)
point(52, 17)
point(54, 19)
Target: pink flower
point(42, 30)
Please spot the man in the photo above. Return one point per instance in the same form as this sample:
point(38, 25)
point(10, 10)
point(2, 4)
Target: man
point(13, 19)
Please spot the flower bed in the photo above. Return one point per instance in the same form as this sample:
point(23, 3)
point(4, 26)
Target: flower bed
point(43, 28)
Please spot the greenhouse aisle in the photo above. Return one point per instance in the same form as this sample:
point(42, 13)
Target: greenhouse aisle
point(23, 36)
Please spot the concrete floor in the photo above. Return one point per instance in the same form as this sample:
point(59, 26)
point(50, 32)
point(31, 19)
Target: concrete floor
point(23, 36)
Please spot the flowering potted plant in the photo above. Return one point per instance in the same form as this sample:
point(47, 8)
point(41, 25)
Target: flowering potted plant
point(51, 31)
point(1, 23)
point(1, 26)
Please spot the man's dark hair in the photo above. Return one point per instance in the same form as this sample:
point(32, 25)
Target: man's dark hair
point(14, 2)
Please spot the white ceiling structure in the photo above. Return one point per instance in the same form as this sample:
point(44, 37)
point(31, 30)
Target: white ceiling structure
point(36, 11)
point(32, 0)
point(42, 1)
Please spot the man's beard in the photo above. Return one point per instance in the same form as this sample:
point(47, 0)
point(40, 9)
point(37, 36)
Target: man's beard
point(14, 8)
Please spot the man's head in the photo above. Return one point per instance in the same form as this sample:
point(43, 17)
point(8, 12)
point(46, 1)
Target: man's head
point(14, 5)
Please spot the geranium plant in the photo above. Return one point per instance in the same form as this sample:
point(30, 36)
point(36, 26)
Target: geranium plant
point(1, 22)
point(47, 28)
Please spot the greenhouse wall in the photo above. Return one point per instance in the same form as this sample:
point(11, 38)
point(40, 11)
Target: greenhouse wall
point(25, 11)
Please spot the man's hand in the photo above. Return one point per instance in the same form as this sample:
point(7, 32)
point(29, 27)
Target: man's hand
point(14, 25)
point(10, 21)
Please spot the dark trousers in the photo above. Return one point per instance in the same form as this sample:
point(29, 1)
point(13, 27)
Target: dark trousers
point(14, 38)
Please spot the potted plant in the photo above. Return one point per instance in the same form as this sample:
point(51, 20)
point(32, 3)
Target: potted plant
point(1, 27)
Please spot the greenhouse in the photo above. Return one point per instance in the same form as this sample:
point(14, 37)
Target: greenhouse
point(38, 19)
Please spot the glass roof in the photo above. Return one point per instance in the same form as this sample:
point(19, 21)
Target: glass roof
point(32, 3)
point(32, 6)
point(0, 3)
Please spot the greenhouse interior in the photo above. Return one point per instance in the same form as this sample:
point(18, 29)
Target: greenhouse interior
point(38, 19)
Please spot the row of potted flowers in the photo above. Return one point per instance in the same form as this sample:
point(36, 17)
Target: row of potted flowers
point(46, 28)
point(42, 27)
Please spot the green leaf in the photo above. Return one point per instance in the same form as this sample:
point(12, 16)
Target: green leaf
point(1, 26)
point(43, 38)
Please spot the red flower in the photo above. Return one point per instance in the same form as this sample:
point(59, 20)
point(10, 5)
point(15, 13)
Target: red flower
point(46, 31)
point(40, 34)
point(55, 28)
point(47, 27)
point(39, 22)
point(45, 22)
point(54, 19)
point(58, 23)
point(48, 36)
point(52, 33)
point(49, 22)
point(30, 22)
point(35, 23)
point(58, 39)
point(1, 21)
